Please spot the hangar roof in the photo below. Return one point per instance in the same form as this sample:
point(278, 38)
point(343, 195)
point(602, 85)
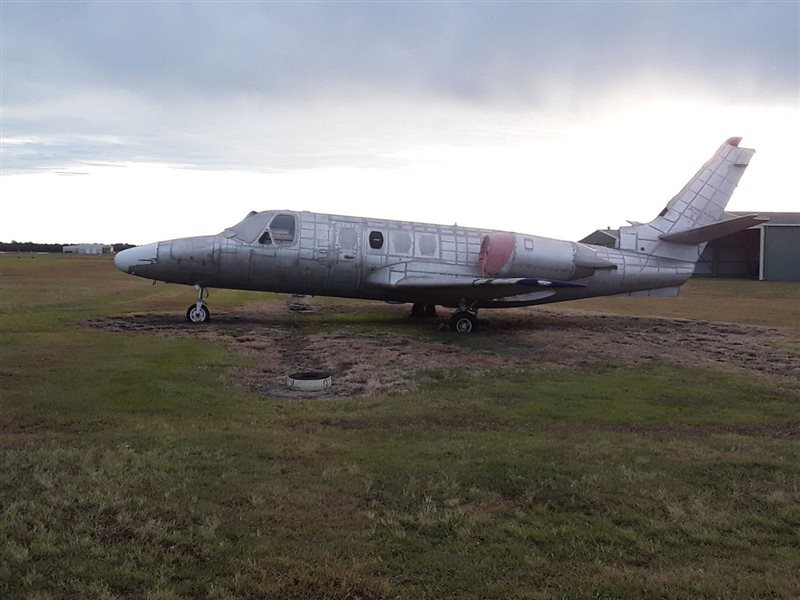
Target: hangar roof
point(775, 218)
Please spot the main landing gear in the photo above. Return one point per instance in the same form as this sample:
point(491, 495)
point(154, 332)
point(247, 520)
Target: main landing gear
point(464, 321)
point(198, 312)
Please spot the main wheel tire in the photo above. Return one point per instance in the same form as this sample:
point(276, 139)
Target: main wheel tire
point(463, 322)
point(197, 314)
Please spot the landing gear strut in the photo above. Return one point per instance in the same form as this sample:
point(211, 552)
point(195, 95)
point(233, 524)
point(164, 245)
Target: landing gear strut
point(198, 312)
point(419, 311)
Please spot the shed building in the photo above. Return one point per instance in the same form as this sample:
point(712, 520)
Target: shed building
point(87, 249)
point(769, 251)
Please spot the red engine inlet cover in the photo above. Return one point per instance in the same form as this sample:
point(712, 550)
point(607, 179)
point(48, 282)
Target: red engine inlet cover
point(496, 250)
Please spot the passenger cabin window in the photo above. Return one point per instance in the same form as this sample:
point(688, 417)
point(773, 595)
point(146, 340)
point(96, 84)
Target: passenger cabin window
point(375, 240)
point(402, 242)
point(427, 244)
point(348, 237)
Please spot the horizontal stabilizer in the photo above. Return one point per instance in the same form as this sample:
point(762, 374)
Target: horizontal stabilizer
point(697, 235)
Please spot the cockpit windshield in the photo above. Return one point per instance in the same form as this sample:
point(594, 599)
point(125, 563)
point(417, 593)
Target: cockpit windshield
point(249, 228)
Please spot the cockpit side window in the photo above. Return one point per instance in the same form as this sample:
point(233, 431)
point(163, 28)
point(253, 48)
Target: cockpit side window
point(265, 239)
point(282, 229)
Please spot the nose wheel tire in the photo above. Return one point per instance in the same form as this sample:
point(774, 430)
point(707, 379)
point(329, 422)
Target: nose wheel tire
point(198, 313)
point(463, 322)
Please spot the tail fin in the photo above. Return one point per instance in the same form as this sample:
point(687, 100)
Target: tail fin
point(692, 217)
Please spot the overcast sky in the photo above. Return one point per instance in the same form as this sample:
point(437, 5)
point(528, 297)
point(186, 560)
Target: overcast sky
point(131, 121)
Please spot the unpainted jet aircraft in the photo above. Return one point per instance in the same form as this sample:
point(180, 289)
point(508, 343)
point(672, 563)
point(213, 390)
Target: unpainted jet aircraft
point(459, 267)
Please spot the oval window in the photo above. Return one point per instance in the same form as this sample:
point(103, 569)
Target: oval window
point(375, 240)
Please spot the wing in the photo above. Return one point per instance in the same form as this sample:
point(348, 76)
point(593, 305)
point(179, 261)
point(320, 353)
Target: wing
point(444, 288)
point(497, 285)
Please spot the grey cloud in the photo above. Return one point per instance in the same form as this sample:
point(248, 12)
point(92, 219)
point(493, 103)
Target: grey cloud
point(474, 50)
point(166, 78)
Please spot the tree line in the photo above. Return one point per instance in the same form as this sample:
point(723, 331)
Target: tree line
point(14, 246)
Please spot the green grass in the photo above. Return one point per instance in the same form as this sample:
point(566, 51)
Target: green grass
point(772, 303)
point(130, 467)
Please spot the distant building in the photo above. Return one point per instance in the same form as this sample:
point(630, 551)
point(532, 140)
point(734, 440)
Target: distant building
point(769, 251)
point(88, 249)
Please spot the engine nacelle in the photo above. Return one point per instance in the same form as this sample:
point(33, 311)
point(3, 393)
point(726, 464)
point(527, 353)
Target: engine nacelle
point(511, 255)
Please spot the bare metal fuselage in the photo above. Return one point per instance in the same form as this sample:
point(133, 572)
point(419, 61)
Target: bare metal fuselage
point(354, 257)
point(340, 256)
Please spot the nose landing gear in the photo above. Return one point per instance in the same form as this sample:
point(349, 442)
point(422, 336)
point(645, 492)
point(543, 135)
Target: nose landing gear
point(198, 312)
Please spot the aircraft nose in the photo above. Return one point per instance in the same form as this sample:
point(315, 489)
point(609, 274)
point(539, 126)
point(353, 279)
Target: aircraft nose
point(138, 256)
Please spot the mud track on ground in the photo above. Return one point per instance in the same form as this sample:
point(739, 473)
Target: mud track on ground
point(388, 354)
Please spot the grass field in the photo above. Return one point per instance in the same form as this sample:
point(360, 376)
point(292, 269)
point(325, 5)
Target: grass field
point(133, 467)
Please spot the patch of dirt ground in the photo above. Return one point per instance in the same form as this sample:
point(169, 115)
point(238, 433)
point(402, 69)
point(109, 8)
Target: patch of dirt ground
point(387, 354)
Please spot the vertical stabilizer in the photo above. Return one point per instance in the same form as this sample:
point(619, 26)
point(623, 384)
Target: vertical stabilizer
point(699, 204)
